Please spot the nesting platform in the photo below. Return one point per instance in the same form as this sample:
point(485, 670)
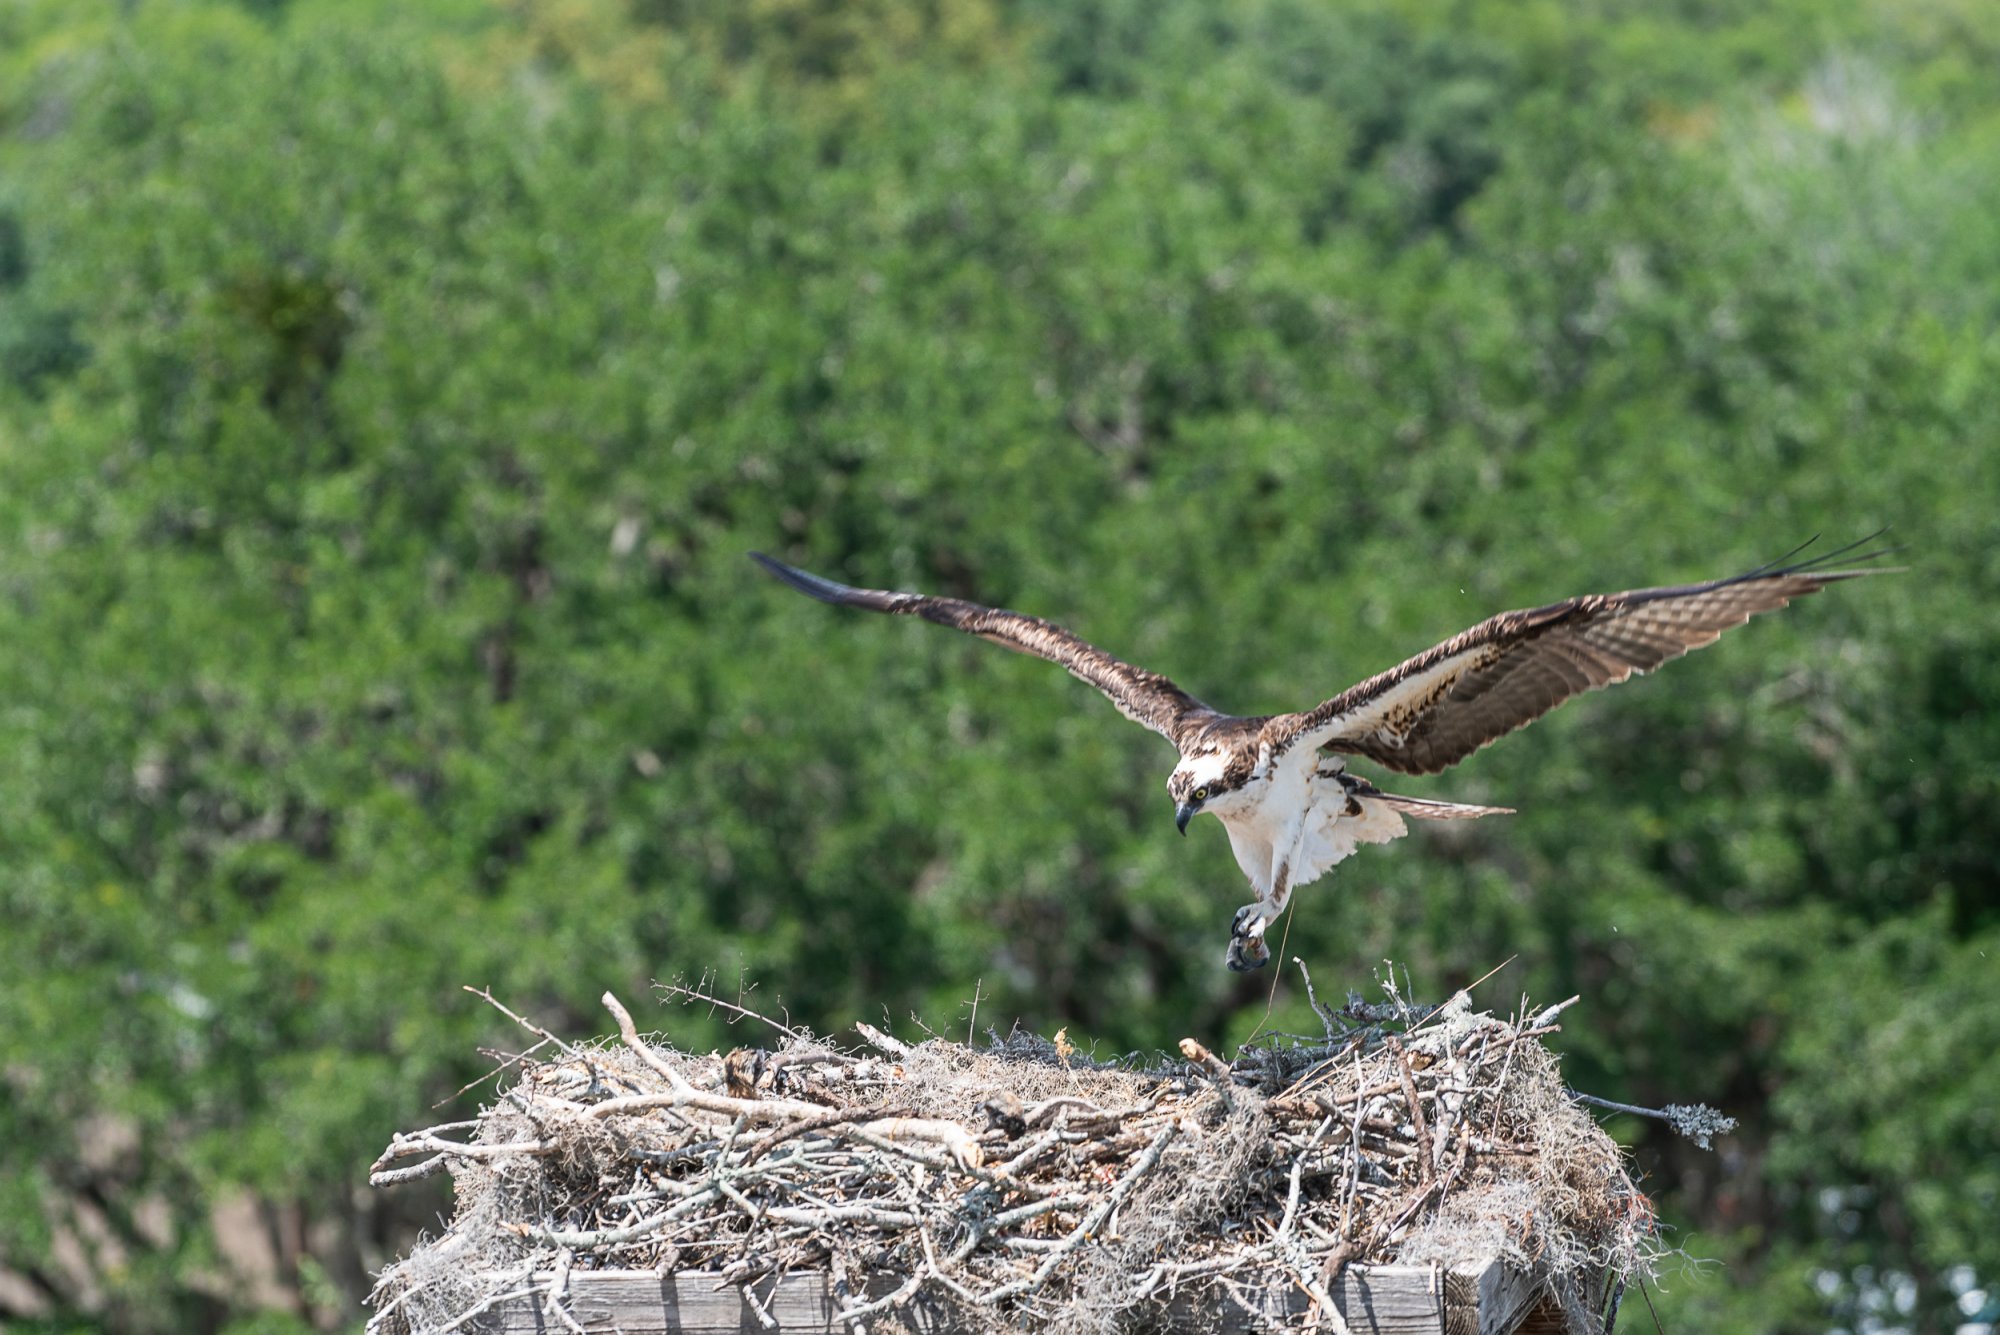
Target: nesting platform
point(1416, 1170)
point(1494, 1299)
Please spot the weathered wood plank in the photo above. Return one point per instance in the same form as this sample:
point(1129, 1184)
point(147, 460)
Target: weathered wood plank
point(1382, 1300)
point(1502, 1296)
point(639, 1302)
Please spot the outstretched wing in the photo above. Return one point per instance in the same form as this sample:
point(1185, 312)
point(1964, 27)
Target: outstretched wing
point(1142, 696)
point(1506, 672)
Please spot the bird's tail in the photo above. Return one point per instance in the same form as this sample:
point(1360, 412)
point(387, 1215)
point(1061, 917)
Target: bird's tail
point(1425, 809)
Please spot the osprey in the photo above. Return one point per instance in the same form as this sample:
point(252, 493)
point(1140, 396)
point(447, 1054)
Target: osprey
point(1280, 783)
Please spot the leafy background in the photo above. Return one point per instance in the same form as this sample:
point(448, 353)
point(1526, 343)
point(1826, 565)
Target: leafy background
point(388, 395)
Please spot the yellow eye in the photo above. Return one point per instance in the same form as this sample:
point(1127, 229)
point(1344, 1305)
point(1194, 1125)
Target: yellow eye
point(1201, 794)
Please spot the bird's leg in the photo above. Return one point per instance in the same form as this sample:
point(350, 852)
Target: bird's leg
point(1246, 934)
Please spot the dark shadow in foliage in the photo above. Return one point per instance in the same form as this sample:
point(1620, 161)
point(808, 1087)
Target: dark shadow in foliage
point(303, 315)
point(37, 345)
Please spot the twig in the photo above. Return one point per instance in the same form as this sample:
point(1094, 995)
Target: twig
point(1416, 1112)
point(1327, 1018)
point(1300, 1265)
point(1697, 1121)
point(973, 1019)
point(512, 1060)
point(630, 1033)
point(1037, 1113)
point(505, 1292)
point(486, 995)
point(687, 1096)
point(936, 1272)
point(844, 1214)
point(895, 1047)
point(555, 1295)
point(1214, 1068)
point(695, 995)
point(1298, 1167)
point(957, 1141)
point(1548, 1017)
point(757, 1308)
point(422, 1142)
point(1094, 1220)
point(822, 1121)
point(854, 1316)
point(587, 1239)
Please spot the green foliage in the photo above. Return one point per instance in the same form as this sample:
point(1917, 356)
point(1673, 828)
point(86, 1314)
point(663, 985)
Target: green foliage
point(388, 396)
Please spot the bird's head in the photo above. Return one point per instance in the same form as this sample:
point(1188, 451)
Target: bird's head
point(1199, 783)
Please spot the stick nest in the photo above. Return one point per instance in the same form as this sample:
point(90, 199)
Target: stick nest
point(1023, 1184)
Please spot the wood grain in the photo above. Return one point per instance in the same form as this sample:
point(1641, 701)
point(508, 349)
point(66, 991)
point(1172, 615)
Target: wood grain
point(1375, 1300)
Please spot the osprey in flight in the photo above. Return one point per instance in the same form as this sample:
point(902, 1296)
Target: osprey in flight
point(1280, 784)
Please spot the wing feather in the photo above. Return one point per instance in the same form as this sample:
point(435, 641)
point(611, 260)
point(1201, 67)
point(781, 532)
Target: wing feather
point(1142, 696)
point(1447, 702)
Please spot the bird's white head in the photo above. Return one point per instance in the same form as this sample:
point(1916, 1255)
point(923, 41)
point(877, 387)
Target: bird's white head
point(1205, 781)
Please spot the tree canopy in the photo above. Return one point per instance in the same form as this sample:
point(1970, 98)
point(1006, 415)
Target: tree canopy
point(389, 395)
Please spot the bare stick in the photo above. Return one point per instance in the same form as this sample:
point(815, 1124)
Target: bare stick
point(757, 1308)
point(1327, 1018)
point(1214, 1068)
point(1292, 1192)
point(1038, 1113)
point(422, 1142)
point(1300, 1265)
point(1416, 1112)
point(1094, 1220)
point(630, 1033)
point(825, 1119)
point(854, 1316)
point(687, 1096)
point(1548, 1017)
point(935, 1272)
point(485, 994)
point(555, 1297)
point(891, 1220)
point(516, 1059)
point(504, 1292)
point(957, 1141)
point(895, 1047)
point(691, 994)
point(607, 1237)
point(1697, 1121)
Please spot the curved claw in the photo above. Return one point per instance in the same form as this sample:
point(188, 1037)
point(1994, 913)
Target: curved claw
point(1247, 953)
point(1246, 920)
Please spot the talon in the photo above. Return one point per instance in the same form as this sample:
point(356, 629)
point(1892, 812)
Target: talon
point(1239, 926)
point(1247, 954)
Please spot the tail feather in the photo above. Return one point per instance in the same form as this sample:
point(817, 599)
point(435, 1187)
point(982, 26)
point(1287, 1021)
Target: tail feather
point(1424, 808)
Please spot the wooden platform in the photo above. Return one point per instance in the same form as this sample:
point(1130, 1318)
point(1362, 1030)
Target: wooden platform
point(1375, 1300)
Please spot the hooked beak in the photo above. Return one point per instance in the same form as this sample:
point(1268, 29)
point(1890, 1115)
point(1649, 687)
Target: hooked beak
point(1183, 814)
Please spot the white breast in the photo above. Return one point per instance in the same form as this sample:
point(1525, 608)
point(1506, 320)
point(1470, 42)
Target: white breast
point(1263, 819)
point(1331, 834)
point(1307, 813)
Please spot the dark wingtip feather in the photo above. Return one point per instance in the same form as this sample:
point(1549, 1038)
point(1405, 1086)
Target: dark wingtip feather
point(1852, 554)
point(811, 585)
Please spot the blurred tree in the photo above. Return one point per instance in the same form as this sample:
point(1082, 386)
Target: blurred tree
point(388, 395)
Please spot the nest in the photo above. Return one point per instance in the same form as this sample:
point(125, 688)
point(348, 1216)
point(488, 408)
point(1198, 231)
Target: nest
point(1022, 1184)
